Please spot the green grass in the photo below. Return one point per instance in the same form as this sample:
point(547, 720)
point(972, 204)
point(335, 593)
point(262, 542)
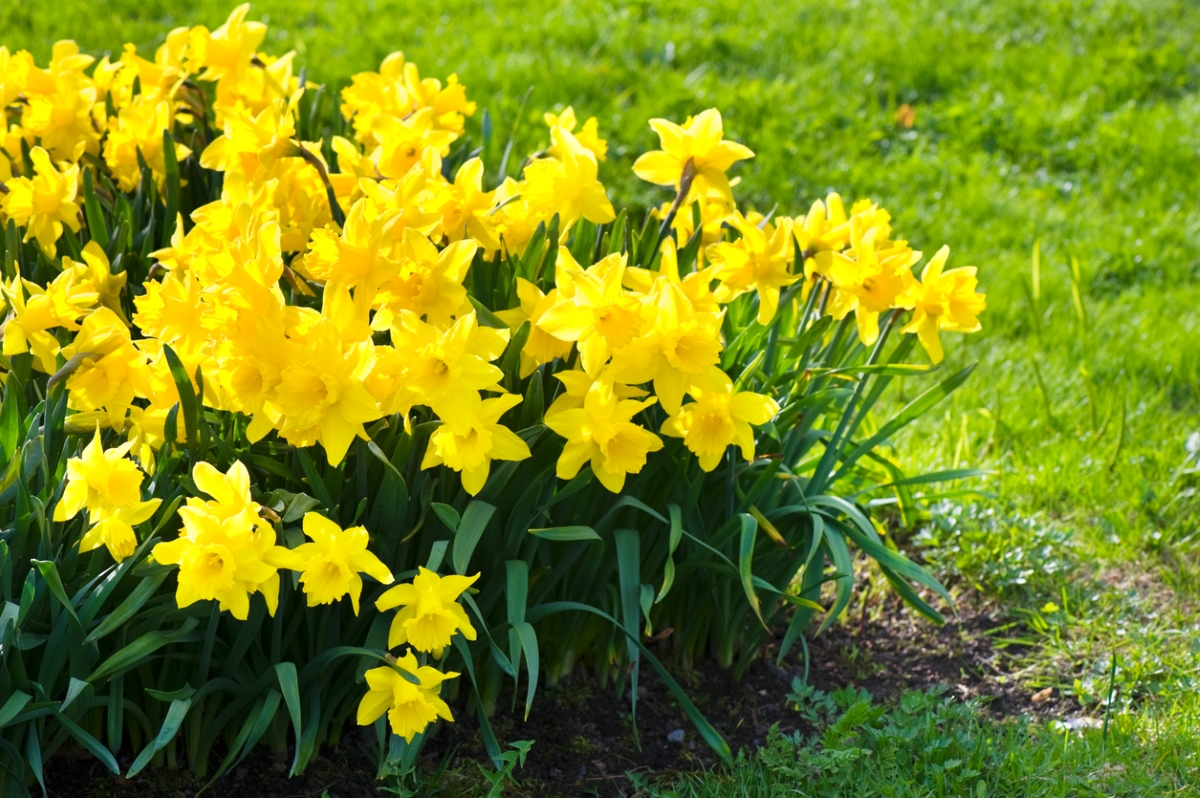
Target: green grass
point(1070, 126)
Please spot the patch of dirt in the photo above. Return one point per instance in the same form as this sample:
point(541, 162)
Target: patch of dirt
point(584, 736)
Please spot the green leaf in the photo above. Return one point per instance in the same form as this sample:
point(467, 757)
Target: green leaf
point(49, 572)
point(529, 645)
point(13, 706)
point(474, 520)
point(839, 552)
point(448, 515)
point(171, 166)
point(187, 398)
point(140, 649)
point(170, 727)
point(485, 316)
point(74, 688)
point(563, 533)
point(749, 532)
point(132, 603)
point(88, 741)
point(289, 683)
point(676, 536)
point(93, 213)
point(909, 413)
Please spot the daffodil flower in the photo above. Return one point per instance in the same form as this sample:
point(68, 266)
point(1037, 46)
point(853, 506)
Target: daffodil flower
point(942, 300)
point(429, 611)
point(410, 699)
point(540, 347)
point(471, 436)
point(225, 552)
point(602, 432)
point(332, 561)
point(757, 261)
point(700, 141)
point(719, 417)
point(45, 203)
point(567, 184)
point(593, 309)
point(108, 486)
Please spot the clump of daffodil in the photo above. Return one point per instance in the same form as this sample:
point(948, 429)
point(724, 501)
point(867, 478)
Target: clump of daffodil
point(718, 418)
point(225, 552)
point(698, 148)
point(331, 563)
point(942, 300)
point(108, 486)
point(602, 432)
point(410, 698)
point(429, 613)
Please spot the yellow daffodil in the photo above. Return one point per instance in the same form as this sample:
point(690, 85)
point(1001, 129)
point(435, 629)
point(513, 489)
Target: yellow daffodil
point(44, 203)
point(678, 346)
point(602, 431)
point(95, 274)
point(719, 417)
point(332, 561)
point(466, 208)
point(429, 282)
point(443, 370)
point(567, 184)
point(108, 486)
point(757, 261)
point(471, 437)
point(110, 371)
point(429, 612)
point(27, 328)
point(411, 701)
point(62, 119)
point(869, 277)
point(588, 135)
point(357, 255)
point(592, 309)
point(540, 347)
point(405, 142)
point(253, 141)
point(225, 553)
point(700, 142)
point(138, 129)
point(321, 393)
point(227, 50)
point(943, 300)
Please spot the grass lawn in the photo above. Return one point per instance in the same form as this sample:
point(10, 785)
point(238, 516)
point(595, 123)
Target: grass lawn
point(1056, 145)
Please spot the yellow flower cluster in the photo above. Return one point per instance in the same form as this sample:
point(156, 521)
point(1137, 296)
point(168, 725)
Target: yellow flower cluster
point(326, 289)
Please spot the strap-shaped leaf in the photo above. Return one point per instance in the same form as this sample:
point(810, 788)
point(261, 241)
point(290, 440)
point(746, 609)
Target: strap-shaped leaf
point(470, 529)
point(566, 533)
point(170, 727)
point(749, 532)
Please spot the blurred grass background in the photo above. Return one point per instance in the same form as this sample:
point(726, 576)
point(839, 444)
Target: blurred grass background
point(1070, 127)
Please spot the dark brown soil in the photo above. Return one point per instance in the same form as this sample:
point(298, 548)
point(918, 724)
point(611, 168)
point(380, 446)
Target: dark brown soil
point(584, 740)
